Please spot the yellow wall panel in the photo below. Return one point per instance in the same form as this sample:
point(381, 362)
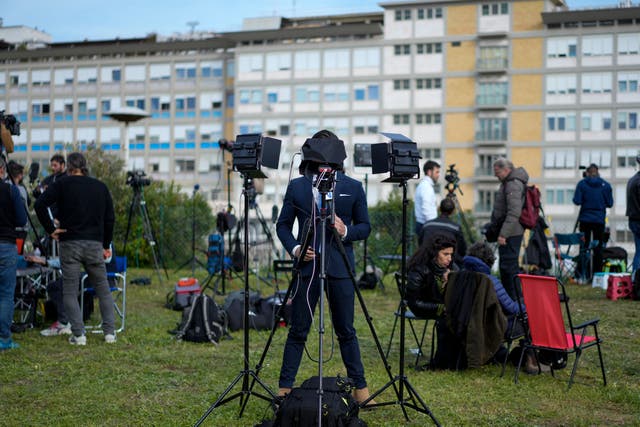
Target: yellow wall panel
point(462, 20)
point(460, 92)
point(461, 58)
point(459, 127)
point(526, 15)
point(527, 53)
point(529, 158)
point(526, 89)
point(526, 126)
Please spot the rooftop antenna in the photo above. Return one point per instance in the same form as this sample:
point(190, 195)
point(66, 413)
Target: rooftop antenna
point(192, 25)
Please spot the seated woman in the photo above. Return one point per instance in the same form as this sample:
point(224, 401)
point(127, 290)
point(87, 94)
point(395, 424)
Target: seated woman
point(427, 275)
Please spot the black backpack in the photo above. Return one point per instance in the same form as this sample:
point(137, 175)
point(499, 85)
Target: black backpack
point(203, 321)
point(300, 406)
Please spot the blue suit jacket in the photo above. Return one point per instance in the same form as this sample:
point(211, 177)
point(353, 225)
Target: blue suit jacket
point(350, 205)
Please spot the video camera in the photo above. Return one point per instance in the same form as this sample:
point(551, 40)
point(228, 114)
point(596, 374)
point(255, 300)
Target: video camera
point(452, 178)
point(136, 179)
point(10, 122)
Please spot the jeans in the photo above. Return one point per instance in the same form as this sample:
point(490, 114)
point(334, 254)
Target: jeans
point(74, 255)
point(340, 294)
point(8, 263)
point(509, 266)
point(593, 231)
point(634, 226)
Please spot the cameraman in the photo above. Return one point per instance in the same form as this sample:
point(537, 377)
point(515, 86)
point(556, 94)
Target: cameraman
point(425, 204)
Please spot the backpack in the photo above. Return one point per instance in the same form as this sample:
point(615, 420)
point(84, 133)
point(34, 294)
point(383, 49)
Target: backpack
point(234, 306)
point(203, 321)
point(531, 207)
point(300, 406)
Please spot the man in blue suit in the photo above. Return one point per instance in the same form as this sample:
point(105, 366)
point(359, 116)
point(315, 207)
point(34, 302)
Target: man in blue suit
point(301, 204)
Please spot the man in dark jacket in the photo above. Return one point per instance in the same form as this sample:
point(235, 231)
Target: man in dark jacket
point(593, 194)
point(85, 213)
point(633, 212)
point(507, 208)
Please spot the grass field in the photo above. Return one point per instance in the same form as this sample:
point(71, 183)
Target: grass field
point(148, 378)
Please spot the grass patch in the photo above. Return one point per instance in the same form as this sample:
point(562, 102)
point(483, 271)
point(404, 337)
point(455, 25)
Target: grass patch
point(147, 378)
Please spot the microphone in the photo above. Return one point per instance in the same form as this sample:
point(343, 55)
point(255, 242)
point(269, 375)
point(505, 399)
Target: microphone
point(34, 169)
point(274, 214)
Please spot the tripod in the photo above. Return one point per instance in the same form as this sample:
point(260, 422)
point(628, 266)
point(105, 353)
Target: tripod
point(413, 399)
point(463, 219)
point(245, 393)
point(137, 201)
point(193, 260)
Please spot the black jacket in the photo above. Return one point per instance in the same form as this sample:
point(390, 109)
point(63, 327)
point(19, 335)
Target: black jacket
point(633, 198)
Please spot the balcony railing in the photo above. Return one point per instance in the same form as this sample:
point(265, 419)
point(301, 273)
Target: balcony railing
point(491, 136)
point(492, 64)
point(491, 101)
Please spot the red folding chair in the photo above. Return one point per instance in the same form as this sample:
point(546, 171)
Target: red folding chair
point(546, 327)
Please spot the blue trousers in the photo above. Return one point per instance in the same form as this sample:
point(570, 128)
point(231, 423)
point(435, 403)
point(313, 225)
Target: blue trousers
point(8, 263)
point(341, 296)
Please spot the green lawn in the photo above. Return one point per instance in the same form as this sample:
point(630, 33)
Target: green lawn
point(147, 378)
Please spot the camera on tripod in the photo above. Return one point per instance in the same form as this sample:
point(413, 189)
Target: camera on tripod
point(137, 178)
point(10, 122)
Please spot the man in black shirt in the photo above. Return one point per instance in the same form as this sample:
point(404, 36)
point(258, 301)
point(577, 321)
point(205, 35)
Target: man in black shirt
point(633, 212)
point(444, 225)
point(85, 230)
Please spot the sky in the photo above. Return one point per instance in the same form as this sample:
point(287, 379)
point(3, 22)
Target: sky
point(75, 20)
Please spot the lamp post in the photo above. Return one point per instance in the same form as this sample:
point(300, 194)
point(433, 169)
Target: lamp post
point(127, 115)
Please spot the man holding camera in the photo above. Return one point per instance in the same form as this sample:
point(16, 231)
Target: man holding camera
point(301, 203)
point(85, 230)
point(505, 217)
point(425, 204)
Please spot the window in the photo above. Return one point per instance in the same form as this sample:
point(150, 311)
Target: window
point(428, 119)
point(211, 69)
point(185, 71)
point(492, 57)
point(561, 84)
point(485, 200)
point(431, 153)
point(135, 73)
point(596, 83)
point(184, 165)
point(428, 48)
point(402, 84)
point(250, 96)
point(602, 158)
point(136, 102)
point(160, 72)
point(593, 121)
point(366, 57)
point(280, 61)
point(307, 94)
point(185, 106)
point(425, 84)
point(561, 122)
point(597, 45)
point(561, 47)
point(485, 163)
point(629, 44)
point(559, 196)
point(307, 60)
point(39, 78)
point(492, 93)
point(626, 157)
point(336, 93)
point(402, 14)
point(628, 82)
point(366, 92)
point(430, 13)
point(402, 49)
point(365, 125)
point(627, 120)
point(490, 9)
point(335, 59)
point(559, 158)
point(400, 119)
point(492, 129)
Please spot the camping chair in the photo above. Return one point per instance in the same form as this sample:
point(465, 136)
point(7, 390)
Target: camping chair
point(411, 318)
point(572, 258)
point(117, 275)
point(546, 328)
point(514, 332)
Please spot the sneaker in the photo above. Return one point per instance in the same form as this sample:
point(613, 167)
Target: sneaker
point(8, 345)
point(81, 340)
point(110, 338)
point(56, 328)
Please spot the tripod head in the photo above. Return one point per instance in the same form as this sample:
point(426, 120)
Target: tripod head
point(453, 179)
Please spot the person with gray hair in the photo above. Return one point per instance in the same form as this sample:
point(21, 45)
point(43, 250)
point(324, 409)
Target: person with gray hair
point(505, 216)
point(85, 230)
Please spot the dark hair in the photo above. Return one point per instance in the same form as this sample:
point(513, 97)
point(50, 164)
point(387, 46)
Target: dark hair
point(430, 165)
point(14, 168)
point(57, 158)
point(77, 162)
point(324, 134)
point(447, 206)
point(430, 248)
point(483, 252)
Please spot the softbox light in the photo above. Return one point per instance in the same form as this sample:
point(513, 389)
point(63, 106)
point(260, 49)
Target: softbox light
point(400, 157)
point(252, 151)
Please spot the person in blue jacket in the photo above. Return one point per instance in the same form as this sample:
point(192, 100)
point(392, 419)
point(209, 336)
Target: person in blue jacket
point(594, 195)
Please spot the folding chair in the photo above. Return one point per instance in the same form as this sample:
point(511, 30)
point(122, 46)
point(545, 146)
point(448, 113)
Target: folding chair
point(117, 276)
point(411, 318)
point(572, 258)
point(514, 333)
point(546, 328)
point(282, 266)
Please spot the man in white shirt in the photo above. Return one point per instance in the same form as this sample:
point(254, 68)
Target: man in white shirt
point(425, 203)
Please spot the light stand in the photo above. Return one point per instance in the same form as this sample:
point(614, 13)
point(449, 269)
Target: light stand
point(246, 372)
point(193, 260)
